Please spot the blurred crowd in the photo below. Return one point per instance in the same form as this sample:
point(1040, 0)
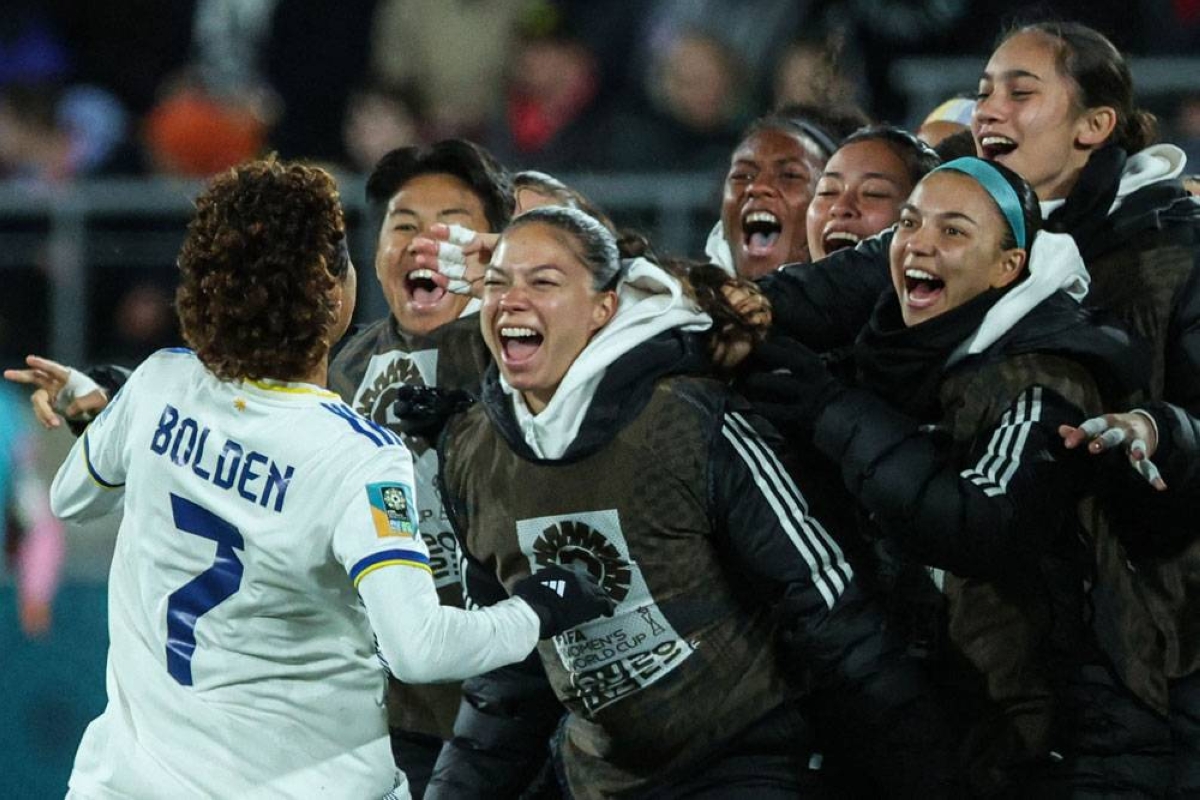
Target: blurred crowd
point(187, 88)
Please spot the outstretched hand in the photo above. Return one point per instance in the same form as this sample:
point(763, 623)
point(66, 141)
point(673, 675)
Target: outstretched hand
point(59, 390)
point(457, 256)
point(1133, 429)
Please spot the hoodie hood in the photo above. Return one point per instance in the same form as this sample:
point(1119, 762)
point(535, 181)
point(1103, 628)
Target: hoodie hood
point(716, 247)
point(1159, 162)
point(1054, 264)
point(650, 301)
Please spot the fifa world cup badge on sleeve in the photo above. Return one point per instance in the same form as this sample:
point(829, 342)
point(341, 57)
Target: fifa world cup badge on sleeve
point(392, 509)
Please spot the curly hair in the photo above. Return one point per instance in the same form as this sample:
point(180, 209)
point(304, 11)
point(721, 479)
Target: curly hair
point(265, 248)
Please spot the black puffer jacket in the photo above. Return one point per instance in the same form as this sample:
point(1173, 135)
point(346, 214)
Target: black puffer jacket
point(966, 473)
point(1144, 259)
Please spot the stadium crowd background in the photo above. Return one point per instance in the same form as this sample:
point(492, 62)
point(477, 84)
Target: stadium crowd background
point(154, 90)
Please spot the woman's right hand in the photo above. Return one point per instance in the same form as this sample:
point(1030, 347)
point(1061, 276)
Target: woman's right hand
point(59, 389)
point(1135, 430)
point(457, 253)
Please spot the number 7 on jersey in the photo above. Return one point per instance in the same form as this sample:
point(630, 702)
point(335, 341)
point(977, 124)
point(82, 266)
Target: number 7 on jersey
point(204, 592)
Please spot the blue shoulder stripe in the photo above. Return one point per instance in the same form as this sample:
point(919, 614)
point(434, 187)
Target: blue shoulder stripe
point(87, 460)
point(388, 558)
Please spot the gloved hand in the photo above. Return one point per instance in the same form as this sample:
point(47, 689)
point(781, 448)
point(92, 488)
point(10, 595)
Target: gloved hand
point(424, 410)
point(789, 385)
point(564, 597)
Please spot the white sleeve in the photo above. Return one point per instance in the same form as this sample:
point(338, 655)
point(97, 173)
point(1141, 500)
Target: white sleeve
point(378, 542)
point(91, 481)
point(424, 642)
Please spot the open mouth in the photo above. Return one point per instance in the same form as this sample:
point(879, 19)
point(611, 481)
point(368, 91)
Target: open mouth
point(837, 240)
point(519, 344)
point(760, 232)
point(422, 288)
point(993, 146)
point(922, 288)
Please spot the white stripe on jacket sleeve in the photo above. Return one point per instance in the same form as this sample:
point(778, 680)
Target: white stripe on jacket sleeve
point(1003, 456)
point(830, 571)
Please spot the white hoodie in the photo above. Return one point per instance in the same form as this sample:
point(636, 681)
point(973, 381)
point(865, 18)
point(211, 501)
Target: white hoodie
point(1158, 162)
point(1054, 263)
point(649, 302)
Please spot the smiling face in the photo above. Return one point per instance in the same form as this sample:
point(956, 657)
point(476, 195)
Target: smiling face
point(540, 309)
point(948, 247)
point(770, 183)
point(859, 194)
point(418, 304)
point(1028, 117)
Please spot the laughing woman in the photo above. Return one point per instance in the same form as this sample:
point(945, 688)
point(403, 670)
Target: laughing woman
point(949, 445)
point(595, 443)
point(863, 186)
point(1056, 106)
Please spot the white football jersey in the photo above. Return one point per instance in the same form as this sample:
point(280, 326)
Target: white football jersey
point(241, 662)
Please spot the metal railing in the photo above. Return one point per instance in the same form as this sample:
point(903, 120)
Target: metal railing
point(73, 231)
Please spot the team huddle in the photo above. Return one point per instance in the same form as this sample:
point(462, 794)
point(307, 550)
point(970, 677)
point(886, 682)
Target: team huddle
point(891, 501)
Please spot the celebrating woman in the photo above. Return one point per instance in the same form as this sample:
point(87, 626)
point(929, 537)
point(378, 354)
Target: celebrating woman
point(1056, 106)
point(948, 441)
point(595, 443)
point(257, 571)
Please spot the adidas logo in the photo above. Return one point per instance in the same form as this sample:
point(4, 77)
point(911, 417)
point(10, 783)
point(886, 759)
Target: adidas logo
point(558, 587)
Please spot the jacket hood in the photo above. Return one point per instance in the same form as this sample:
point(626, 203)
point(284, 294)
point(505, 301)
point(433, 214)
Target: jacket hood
point(1159, 162)
point(650, 302)
point(1054, 265)
point(621, 393)
point(1117, 360)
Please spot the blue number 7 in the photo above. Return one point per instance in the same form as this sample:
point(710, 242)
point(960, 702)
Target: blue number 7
point(204, 592)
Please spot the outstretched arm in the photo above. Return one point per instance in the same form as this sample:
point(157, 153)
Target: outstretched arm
point(826, 303)
point(878, 705)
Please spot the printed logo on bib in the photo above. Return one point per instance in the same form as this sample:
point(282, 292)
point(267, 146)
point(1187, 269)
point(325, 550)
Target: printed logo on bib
point(375, 400)
point(387, 372)
point(392, 510)
point(435, 527)
point(606, 659)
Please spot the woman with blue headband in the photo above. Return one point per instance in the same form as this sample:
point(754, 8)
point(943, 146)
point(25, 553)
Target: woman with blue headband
point(1056, 105)
point(945, 432)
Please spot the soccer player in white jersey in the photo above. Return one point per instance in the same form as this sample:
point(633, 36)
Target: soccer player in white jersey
point(268, 532)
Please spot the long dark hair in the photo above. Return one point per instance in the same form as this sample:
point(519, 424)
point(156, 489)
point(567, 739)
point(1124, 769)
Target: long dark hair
point(1102, 75)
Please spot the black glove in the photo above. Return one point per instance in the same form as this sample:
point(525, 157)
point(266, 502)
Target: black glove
point(424, 410)
point(789, 385)
point(564, 597)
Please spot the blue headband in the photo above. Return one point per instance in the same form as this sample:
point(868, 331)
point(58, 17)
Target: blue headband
point(994, 184)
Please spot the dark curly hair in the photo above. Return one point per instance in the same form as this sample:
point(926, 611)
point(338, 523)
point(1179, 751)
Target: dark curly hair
point(266, 246)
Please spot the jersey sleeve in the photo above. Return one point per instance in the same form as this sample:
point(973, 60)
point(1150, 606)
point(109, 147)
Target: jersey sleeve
point(91, 481)
point(377, 541)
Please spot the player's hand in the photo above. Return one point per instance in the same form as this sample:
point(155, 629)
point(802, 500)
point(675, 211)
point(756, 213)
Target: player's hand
point(563, 597)
point(59, 389)
point(457, 255)
point(753, 307)
point(1134, 429)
